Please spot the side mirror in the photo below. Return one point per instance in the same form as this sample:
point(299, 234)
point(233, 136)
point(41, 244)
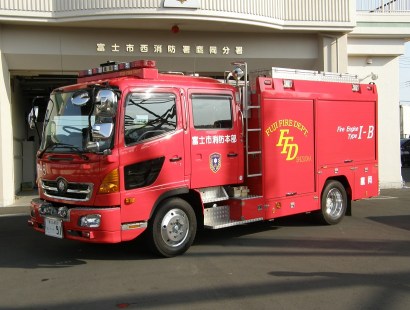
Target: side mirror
point(93, 146)
point(102, 131)
point(32, 117)
point(106, 103)
point(80, 98)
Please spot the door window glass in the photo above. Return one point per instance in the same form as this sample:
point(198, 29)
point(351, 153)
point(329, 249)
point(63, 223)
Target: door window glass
point(148, 116)
point(211, 111)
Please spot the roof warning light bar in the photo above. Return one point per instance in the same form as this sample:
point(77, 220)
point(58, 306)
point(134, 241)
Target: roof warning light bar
point(122, 69)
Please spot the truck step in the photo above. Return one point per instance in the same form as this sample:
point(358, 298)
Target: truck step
point(213, 194)
point(219, 217)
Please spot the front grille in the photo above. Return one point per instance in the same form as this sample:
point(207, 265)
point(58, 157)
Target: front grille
point(74, 191)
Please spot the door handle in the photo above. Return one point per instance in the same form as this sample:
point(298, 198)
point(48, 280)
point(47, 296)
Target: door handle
point(232, 154)
point(175, 159)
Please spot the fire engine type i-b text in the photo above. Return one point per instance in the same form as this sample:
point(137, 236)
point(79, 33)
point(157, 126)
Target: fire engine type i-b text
point(129, 150)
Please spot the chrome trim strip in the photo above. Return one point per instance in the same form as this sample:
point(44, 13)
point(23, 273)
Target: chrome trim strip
point(88, 192)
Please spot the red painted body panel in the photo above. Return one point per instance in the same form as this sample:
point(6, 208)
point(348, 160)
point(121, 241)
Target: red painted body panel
point(108, 232)
point(227, 144)
point(345, 137)
point(288, 146)
point(247, 209)
point(75, 169)
point(313, 132)
point(171, 176)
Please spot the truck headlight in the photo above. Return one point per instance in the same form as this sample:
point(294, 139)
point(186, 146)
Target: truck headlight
point(90, 220)
point(47, 209)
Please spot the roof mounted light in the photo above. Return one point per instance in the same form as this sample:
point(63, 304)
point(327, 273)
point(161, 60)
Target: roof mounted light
point(124, 66)
point(139, 64)
point(109, 66)
point(287, 83)
point(87, 72)
point(96, 71)
point(112, 66)
point(356, 88)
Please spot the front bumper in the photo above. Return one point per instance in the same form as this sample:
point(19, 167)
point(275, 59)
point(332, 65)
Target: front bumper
point(109, 230)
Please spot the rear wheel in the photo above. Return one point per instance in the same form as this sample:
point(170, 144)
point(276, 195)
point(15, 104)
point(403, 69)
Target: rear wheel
point(333, 203)
point(172, 228)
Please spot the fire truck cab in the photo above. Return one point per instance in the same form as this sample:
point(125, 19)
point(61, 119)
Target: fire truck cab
point(129, 150)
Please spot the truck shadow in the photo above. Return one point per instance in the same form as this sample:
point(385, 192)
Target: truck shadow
point(209, 236)
point(399, 221)
point(27, 248)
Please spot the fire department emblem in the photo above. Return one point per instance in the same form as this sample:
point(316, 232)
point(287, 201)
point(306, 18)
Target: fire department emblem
point(215, 162)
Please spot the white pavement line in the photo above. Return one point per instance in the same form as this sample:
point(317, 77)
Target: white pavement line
point(381, 198)
point(13, 214)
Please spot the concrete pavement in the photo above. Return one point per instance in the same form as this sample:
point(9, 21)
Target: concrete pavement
point(290, 263)
point(21, 205)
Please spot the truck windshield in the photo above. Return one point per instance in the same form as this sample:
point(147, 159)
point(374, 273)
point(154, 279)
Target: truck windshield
point(66, 125)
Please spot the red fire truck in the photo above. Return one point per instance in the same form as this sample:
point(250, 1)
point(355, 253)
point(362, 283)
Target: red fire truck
point(129, 150)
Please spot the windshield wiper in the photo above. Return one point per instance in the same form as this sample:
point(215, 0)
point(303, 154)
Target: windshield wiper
point(63, 145)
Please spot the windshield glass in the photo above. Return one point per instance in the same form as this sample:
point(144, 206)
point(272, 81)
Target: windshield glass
point(66, 125)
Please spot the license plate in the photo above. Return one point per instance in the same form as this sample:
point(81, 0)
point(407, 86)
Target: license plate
point(53, 227)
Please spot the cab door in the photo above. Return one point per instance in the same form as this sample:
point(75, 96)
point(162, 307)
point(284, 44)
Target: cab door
point(152, 157)
point(216, 144)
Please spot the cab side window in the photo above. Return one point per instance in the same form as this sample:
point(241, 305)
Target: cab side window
point(212, 111)
point(148, 116)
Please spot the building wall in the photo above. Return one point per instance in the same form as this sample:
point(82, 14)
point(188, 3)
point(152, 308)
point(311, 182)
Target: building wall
point(380, 56)
point(389, 114)
point(66, 50)
point(320, 15)
point(6, 132)
point(38, 49)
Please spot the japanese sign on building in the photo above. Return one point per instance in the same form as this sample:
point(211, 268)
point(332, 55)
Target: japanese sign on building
point(102, 47)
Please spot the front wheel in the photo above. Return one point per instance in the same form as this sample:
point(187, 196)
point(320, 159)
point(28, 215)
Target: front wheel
point(333, 203)
point(172, 228)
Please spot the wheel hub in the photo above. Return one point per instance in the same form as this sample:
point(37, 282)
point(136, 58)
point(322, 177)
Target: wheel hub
point(334, 203)
point(174, 227)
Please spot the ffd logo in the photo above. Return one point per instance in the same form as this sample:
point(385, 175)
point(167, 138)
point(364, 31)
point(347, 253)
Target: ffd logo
point(288, 148)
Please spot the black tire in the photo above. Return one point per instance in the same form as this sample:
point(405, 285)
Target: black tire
point(333, 203)
point(172, 228)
